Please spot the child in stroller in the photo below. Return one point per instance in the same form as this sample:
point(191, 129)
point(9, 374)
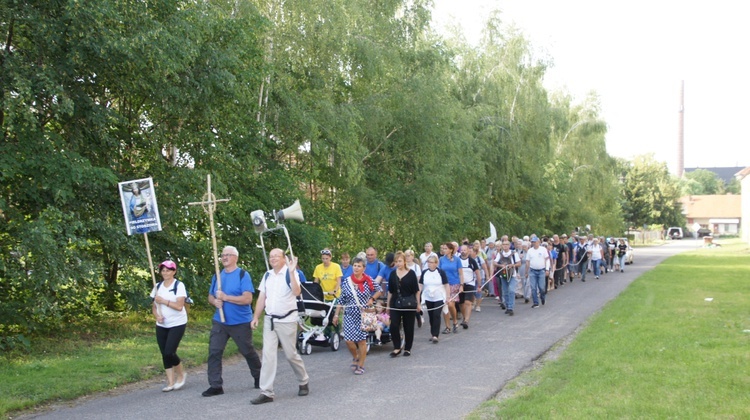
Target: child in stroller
point(384, 322)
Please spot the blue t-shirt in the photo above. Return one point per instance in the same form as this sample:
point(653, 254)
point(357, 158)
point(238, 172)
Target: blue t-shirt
point(373, 269)
point(451, 269)
point(385, 272)
point(553, 254)
point(301, 276)
point(346, 272)
point(233, 285)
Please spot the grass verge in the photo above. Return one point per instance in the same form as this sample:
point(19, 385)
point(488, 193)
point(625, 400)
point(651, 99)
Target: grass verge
point(118, 350)
point(660, 350)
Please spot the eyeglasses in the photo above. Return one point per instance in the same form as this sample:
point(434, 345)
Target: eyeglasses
point(227, 255)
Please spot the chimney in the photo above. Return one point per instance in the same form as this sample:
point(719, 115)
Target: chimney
point(681, 134)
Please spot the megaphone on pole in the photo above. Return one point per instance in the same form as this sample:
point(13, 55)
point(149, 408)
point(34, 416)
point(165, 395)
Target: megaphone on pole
point(293, 212)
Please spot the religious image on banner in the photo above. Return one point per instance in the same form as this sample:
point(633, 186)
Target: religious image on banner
point(139, 206)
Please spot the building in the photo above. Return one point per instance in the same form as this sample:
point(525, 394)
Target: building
point(745, 202)
point(720, 214)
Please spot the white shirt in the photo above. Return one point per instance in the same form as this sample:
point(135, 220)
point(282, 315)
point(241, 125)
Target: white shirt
point(434, 289)
point(172, 317)
point(423, 258)
point(417, 270)
point(538, 258)
point(279, 297)
point(596, 252)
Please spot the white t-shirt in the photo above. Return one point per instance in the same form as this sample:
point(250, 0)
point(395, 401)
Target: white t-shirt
point(423, 258)
point(596, 252)
point(538, 258)
point(417, 269)
point(433, 288)
point(172, 317)
point(279, 297)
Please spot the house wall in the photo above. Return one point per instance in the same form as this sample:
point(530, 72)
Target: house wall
point(745, 208)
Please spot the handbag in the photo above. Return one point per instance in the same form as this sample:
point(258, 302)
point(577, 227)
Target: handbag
point(368, 320)
point(405, 302)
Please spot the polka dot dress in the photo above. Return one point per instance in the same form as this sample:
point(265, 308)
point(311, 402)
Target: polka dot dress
point(352, 316)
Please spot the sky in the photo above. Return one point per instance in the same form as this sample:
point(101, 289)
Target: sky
point(635, 55)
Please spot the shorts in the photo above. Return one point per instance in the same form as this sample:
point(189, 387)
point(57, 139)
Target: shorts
point(468, 294)
point(455, 295)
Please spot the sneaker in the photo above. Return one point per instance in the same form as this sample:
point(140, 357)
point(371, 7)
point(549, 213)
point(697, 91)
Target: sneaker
point(534, 306)
point(597, 277)
point(510, 312)
point(478, 309)
point(507, 310)
point(525, 301)
point(543, 300)
point(210, 392)
point(622, 271)
point(502, 305)
point(261, 399)
point(303, 390)
point(167, 388)
point(419, 320)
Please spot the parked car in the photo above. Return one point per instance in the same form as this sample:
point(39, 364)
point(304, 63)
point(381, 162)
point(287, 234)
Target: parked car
point(629, 252)
point(675, 233)
point(704, 232)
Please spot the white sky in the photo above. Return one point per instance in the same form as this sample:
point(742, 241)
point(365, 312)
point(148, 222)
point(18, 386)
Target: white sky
point(634, 55)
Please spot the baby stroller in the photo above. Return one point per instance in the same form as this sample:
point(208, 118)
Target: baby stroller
point(385, 336)
point(316, 322)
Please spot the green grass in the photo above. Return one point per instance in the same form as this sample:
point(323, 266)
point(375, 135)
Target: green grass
point(97, 357)
point(660, 350)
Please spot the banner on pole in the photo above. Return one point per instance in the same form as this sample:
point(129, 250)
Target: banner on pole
point(139, 206)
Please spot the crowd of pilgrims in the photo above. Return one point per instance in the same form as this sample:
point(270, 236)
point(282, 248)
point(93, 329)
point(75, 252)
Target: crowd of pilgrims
point(451, 282)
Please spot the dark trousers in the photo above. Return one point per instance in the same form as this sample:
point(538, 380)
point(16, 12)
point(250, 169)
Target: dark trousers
point(434, 311)
point(559, 276)
point(168, 340)
point(408, 318)
point(242, 335)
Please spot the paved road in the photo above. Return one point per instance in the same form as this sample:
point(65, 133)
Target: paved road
point(439, 381)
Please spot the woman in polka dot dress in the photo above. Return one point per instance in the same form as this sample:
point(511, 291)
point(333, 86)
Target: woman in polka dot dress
point(367, 293)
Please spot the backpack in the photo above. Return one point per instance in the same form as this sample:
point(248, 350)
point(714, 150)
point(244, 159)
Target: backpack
point(176, 283)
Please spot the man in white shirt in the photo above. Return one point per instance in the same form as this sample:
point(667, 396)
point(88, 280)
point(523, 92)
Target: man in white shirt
point(537, 270)
point(278, 299)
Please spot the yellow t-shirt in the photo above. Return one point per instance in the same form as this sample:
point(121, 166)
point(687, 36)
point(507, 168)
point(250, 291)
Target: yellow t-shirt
point(327, 277)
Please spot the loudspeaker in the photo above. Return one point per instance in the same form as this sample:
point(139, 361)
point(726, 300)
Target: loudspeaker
point(259, 221)
point(293, 212)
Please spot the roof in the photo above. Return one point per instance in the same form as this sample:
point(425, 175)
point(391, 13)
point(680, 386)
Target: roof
point(712, 206)
point(743, 173)
point(726, 174)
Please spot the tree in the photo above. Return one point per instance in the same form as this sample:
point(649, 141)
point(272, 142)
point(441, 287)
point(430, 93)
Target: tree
point(651, 194)
point(702, 182)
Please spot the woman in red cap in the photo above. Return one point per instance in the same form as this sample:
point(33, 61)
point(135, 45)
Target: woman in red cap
point(171, 318)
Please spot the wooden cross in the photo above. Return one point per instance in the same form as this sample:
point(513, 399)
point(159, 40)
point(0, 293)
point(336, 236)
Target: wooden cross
point(209, 206)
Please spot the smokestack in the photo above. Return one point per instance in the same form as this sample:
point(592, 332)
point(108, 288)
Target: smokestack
point(681, 134)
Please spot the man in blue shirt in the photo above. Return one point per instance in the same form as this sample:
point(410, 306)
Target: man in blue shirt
point(235, 298)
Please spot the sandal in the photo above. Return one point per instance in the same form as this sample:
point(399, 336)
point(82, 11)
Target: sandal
point(447, 330)
point(359, 371)
point(354, 364)
point(395, 353)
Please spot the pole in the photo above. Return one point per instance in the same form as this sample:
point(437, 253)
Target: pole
point(151, 266)
point(209, 205)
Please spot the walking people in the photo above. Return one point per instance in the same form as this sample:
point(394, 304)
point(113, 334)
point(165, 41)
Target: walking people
point(426, 254)
point(451, 265)
point(328, 275)
point(537, 267)
point(403, 287)
point(434, 288)
point(359, 293)
point(506, 264)
point(171, 319)
point(235, 298)
point(278, 300)
point(470, 270)
point(561, 262)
